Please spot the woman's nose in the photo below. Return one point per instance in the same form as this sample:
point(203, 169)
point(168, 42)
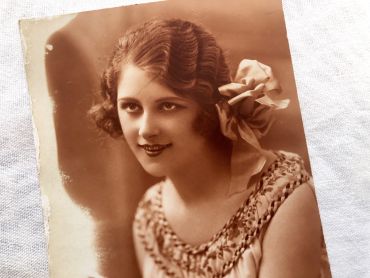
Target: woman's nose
point(149, 127)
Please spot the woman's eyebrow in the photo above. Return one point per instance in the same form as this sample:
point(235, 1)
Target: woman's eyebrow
point(127, 99)
point(159, 100)
point(173, 99)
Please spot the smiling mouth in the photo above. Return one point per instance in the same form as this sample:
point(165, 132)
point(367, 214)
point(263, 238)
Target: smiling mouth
point(154, 150)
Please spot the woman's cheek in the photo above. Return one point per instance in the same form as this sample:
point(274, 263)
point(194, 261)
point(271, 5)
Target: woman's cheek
point(172, 124)
point(177, 120)
point(127, 127)
point(120, 119)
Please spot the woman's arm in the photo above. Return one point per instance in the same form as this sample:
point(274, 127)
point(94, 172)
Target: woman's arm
point(292, 244)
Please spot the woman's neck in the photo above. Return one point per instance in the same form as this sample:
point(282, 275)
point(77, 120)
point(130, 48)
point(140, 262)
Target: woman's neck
point(207, 178)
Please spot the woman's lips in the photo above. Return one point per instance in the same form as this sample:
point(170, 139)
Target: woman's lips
point(154, 150)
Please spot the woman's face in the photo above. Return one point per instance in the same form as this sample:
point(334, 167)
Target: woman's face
point(157, 124)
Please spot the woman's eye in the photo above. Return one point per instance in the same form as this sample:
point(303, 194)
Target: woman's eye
point(167, 106)
point(130, 107)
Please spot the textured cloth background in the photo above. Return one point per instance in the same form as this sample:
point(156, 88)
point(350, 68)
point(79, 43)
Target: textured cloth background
point(330, 47)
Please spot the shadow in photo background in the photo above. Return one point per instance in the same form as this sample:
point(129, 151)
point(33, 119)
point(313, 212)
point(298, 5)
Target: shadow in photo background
point(104, 177)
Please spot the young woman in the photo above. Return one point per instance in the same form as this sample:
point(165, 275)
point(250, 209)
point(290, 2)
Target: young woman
point(225, 207)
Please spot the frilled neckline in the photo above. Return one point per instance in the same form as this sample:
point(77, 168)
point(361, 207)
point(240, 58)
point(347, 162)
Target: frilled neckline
point(218, 255)
point(197, 248)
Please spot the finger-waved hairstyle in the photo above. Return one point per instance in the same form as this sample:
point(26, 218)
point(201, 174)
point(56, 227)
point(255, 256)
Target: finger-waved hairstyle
point(179, 54)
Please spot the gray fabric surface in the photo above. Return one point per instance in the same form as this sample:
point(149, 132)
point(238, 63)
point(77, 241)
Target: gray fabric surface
point(330, 46)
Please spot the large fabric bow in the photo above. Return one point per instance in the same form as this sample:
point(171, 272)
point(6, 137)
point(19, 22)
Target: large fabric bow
point(246, 116)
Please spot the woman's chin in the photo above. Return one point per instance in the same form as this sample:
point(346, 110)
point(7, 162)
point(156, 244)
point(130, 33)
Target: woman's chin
point(155, 165)
point(157, 171)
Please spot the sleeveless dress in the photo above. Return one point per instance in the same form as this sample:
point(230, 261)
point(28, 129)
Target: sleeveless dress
point(236, 250)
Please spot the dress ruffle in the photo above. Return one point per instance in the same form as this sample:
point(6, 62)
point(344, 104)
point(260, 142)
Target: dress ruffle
point(236, 246)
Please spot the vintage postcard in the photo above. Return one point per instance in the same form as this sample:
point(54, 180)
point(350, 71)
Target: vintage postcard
point(171, 143)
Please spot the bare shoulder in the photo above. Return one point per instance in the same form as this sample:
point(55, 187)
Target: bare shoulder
point(292, 243)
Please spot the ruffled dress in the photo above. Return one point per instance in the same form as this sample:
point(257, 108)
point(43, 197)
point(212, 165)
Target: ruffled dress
point(236, 250)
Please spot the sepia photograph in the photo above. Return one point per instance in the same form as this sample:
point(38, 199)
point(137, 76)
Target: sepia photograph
point(171, 143)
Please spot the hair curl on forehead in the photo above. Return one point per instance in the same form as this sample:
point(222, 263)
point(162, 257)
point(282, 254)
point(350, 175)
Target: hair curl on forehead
point(181, 55)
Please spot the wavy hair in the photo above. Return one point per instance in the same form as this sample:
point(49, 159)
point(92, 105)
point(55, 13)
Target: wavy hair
point(181, 55)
